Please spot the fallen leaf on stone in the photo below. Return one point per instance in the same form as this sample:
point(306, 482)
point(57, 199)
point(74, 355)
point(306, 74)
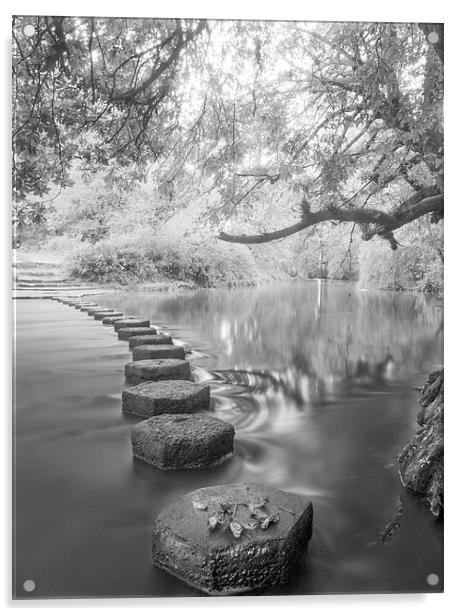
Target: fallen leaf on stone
point(260, 515)
point(199, 505)
point(252, 525)
point(271, 519)
point(255, 506)
point(236, 529)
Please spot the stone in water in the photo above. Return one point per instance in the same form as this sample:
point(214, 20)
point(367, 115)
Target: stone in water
point(157, 370)
point(99, 316)
point(233, 538)
point(158, 351)
point(165, 397)
point(172, 442)
point(127, 332)
point(149, 339)
point(131, 323)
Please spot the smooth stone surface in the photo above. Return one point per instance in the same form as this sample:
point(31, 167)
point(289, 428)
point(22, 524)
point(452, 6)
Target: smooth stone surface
point(173, 442)
point(99, 316)
point(135, 341)
point(157, 370)
point(217, 562)
point(127, 332)
point(158, 351)
point(157, 398)
point(131, 323)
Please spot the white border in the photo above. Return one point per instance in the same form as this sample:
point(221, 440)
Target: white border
point(347, 10)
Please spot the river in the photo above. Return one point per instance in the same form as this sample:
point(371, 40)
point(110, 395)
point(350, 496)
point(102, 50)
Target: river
point(317, 379)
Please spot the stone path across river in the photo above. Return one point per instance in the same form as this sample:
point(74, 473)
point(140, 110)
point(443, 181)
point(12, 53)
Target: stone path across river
point(250, 536)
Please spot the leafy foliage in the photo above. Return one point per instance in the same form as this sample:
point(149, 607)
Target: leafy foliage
point(253, 125)
point(416, 265)
point(147, 258)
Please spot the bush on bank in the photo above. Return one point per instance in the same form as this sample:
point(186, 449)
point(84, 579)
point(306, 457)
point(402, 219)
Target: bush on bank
point(139, 260)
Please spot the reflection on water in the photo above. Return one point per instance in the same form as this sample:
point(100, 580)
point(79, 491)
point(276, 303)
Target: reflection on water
point(317, 380)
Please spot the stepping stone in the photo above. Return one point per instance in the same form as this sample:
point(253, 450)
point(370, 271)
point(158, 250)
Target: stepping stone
point(112, 319)
point(131, 323)
point(157, 370)
point(92, 311)
point(172, 442)
point(158, 351)
point(149, 339)
point(99, 316)
point(127, 332)
point(157, 398)
point(192, 538)
point(87, 307)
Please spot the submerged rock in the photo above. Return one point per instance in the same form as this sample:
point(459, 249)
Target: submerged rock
point(149, 339)
point(421, 462)
point(233, 538)
point(131, 323)
point(156, 398)
point(158, 351)
point(125, 333)
point(157, 370)
point(172, 442)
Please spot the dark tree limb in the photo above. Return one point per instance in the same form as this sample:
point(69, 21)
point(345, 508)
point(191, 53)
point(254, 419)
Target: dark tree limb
point(374, 222)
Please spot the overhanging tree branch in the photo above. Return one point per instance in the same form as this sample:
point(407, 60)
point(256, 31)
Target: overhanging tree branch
point(373, 222)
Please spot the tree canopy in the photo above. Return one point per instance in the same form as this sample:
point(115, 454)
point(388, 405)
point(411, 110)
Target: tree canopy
point(275, 126)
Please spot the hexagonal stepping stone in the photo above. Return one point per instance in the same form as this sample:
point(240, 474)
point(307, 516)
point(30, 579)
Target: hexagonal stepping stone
point(172, 442)
point(229, 539)
point(157, 370)
point(149, 339)
point(131, 323)
point(99, 316)
point(165, 397)
point(158, 351)
point(127, 332)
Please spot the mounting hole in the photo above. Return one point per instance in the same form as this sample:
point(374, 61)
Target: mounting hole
point(432, 579)
point(433, 38)
point(29, 585)
point(29, 30)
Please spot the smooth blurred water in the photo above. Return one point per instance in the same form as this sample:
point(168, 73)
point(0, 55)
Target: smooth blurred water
point(316, 378)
